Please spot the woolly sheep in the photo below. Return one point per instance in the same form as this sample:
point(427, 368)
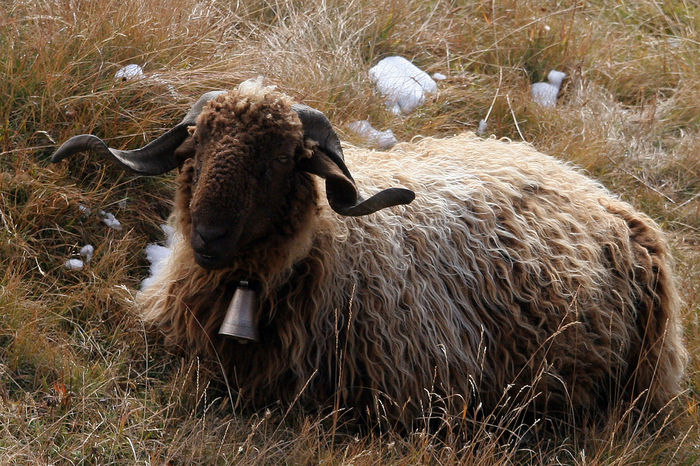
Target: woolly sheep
point(510, 276)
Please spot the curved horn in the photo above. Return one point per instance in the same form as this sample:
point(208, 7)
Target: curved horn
point(318, 127)
point(154, 158)
point(340, 187)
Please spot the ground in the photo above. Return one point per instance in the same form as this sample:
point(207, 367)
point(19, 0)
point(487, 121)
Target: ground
point(83, 381)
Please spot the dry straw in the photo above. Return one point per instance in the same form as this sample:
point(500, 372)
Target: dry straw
point(81, 380)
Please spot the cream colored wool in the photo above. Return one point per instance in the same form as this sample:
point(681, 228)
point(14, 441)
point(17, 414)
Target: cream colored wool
point(511, 274)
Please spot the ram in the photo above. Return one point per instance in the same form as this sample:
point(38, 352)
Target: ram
point(510, 272)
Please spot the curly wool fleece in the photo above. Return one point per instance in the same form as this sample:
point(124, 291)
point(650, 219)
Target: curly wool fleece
point(511, 274)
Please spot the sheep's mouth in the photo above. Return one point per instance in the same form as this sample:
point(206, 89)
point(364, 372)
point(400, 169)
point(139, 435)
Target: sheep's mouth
point(209, 261)
point(223, 256)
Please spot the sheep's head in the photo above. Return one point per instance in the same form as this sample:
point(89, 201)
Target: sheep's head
point(246, 157)
point(245, 189)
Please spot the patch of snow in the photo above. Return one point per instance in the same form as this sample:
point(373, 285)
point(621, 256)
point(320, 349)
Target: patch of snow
point(87, 252)
point(380, 139)
point(109, 220)
point(483, 126)
point(74, 264)
point(135, 72)
point(545, 94)
point(158, 256)
point(129, 72)
point(84, 209)
point(439, 76)
point(402, 84)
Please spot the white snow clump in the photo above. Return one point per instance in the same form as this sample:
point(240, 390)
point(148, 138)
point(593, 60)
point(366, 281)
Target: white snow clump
point(135, 72)
point(483, 126)
point(129, 72)
point(77, 264)
point(87, 251)
point(545, 94)
point(74, 264)
point(380, 139)
point(158, 256)
point(109, 220)
point(402, 84)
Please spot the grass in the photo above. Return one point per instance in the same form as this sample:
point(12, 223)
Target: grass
point(81, 380)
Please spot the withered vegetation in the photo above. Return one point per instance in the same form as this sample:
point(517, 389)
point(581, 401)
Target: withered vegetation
point(82, 380)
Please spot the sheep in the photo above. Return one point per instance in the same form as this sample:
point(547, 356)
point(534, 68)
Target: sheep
point(510, 276)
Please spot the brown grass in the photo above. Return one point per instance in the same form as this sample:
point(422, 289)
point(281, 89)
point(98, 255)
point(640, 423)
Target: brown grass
point(81, 380)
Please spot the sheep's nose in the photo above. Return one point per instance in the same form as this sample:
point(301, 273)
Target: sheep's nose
point(210, 244)
point(208, 234)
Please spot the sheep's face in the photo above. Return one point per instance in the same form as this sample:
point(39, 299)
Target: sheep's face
point(245, 190)
point(244, 183)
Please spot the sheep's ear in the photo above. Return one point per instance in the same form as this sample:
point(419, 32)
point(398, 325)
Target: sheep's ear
point(341, 191)
point(317, 127)
point(328, 162)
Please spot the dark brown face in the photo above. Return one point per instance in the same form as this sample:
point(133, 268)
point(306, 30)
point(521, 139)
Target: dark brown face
point(244, 180)
point(245, 187)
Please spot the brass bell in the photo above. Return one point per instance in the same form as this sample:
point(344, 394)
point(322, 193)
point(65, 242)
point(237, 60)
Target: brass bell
point(239, 321)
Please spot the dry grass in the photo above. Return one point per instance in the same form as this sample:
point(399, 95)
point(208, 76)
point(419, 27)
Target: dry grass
point(81, 381)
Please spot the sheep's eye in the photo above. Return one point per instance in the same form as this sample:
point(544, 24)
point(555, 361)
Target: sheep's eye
point(282, 159)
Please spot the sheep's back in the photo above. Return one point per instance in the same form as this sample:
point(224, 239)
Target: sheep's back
point(510, 275)
point(509, 269)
